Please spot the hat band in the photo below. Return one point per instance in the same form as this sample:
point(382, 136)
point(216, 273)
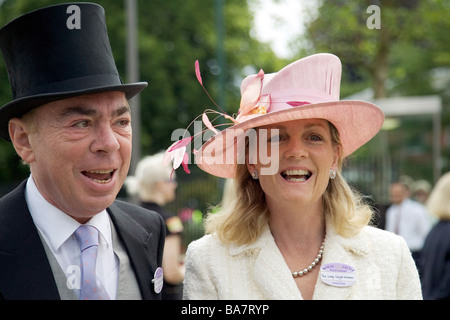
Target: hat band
point(77, 84)
point(286, 99)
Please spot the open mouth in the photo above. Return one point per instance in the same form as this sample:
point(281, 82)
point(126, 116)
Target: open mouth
point(99, 176)
point(296, 175)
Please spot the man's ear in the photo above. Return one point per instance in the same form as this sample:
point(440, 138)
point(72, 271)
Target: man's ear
point(20, 139)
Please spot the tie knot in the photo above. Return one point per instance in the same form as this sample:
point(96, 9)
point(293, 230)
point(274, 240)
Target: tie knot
point(87, 236)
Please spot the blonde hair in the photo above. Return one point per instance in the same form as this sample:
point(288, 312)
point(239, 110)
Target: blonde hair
point(438, 203)
point(241, 221)
point(149, 171)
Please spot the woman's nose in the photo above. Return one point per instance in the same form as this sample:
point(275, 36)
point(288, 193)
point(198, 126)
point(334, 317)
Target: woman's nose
point(296, 149)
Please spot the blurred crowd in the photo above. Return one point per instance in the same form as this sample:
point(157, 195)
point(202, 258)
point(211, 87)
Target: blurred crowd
point(420, 213)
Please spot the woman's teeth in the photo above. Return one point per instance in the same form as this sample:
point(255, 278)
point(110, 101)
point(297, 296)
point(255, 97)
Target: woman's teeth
point(296, 175)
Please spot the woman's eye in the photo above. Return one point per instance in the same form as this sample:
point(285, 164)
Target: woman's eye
point(315, 137)
point(275, 139)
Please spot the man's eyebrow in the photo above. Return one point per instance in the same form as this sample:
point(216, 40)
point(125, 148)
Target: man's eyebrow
point(120, 111)
point(78, 110)
point(88, 111)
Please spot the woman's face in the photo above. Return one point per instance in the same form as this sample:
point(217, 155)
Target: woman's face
point(306, 156)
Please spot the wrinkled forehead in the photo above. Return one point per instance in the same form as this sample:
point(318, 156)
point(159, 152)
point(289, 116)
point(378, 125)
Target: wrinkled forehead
point(112, 103)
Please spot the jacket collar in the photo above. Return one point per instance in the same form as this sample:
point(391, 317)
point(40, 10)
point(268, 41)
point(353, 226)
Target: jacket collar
point(138, 244)
point(274, 278)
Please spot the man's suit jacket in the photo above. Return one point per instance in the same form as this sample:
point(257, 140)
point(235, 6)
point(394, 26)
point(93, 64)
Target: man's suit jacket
point(384, 268)
point(25, 272)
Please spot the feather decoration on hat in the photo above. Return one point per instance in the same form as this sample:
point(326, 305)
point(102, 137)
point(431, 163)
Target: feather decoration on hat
point(177, 151)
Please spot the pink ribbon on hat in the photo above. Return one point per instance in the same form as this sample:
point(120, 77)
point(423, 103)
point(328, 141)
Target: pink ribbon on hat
point(283, 100)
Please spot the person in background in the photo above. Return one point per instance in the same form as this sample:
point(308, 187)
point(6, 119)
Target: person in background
point(407, 218)
point(435, 258)
point(155, 186)
point(295, 230)
point(421, 191)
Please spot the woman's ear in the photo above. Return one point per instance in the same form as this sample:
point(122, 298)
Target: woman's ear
point(251, 168)
point(337, 154)
point(20, 139)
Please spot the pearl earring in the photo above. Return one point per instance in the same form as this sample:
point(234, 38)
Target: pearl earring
point(332, 174)
point(255, 175)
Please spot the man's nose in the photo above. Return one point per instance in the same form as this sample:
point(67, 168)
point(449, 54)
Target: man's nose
point(105, 140)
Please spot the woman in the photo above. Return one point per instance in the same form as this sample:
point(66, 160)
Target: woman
point(295, 230)
point(435, 258)
point(154, 185)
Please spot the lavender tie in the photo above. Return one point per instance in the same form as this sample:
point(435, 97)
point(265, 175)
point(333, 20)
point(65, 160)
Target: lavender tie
point(91, 289)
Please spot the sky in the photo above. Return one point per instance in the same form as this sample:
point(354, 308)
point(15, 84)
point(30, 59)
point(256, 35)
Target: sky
point(278, 22)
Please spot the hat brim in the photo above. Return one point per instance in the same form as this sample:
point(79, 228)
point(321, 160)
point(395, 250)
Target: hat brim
point(19, 107)
point(356, 121)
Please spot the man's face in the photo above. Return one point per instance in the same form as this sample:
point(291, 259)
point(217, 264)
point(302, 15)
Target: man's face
point(80, 151)
point(398, 193)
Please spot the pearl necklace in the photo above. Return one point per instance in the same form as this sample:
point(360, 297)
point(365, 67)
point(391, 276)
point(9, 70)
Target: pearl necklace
point(303, 272)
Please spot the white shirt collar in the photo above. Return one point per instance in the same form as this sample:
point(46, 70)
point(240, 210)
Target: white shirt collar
point(55, 225)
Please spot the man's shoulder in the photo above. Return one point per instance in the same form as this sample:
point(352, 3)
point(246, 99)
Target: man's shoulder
point(17, 194)
point(137, 213)
point(13, 207)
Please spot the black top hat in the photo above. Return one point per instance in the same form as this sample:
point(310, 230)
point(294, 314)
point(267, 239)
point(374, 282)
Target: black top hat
point(55, 53)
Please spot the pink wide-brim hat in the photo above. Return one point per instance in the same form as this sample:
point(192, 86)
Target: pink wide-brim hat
point(305, 89)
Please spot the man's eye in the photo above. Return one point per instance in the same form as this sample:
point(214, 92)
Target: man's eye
point(82, 124)
point(124, 122)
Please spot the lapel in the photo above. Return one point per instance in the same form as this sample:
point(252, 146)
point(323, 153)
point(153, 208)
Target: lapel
point(274, 279)
point(350, 251)
point(271, 274)
point(142, 246)
point(25, 273)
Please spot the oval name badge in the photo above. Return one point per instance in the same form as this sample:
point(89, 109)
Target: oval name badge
point(338, 274)
point(158, 280)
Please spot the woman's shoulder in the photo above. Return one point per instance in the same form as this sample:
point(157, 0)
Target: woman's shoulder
point(205, 244)
point(382, 239)
point(379, 233)
point(207, 255)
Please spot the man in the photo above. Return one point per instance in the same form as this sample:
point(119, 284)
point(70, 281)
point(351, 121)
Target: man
point(407, 218)
point(70, 122)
